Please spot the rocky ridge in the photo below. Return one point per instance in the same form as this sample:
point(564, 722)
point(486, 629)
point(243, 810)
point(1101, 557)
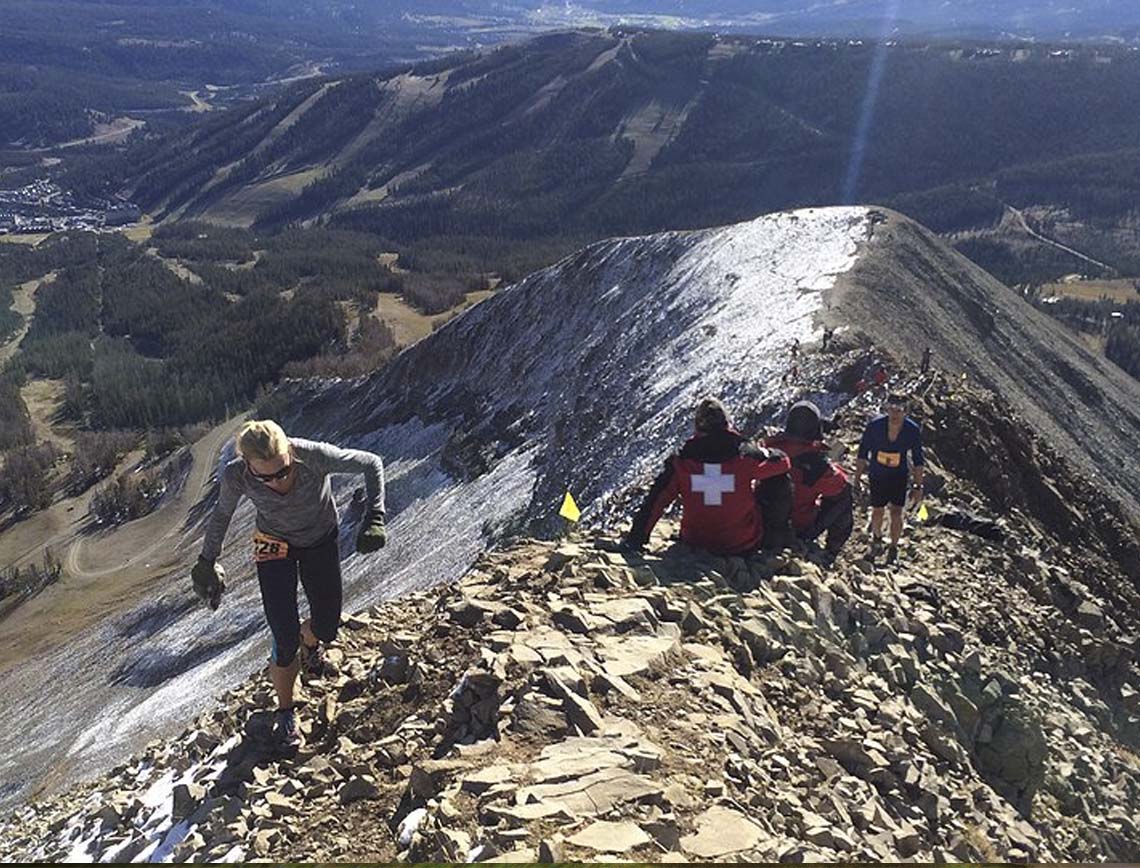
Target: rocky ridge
point(484, 426)
point(566, 701)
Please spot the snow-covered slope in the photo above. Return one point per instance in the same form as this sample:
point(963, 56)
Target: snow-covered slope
point(582, 375)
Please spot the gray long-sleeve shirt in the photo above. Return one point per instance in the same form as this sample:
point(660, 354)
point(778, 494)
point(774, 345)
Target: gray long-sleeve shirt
point(307, 514)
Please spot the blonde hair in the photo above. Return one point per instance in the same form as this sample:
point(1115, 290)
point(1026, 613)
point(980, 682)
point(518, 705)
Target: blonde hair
point(261, 440)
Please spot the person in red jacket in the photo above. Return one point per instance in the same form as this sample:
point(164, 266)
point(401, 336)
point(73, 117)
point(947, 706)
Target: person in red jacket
point(822, 498)
point(729, 488)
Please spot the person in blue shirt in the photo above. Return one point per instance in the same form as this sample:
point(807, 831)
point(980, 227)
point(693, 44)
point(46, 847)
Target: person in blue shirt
point(883, 452)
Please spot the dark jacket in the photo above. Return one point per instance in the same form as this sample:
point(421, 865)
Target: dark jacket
point(886, 457)
point(814, 476)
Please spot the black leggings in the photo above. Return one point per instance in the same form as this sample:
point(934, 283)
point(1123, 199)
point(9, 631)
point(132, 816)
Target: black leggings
point(319, 569)
point(774, 496)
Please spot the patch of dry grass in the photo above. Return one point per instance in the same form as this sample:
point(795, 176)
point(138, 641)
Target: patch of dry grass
point(1121, 291)
point(409, 325)
point(43, 398)
point(141, 231)
point(243, 206)
point(32, 239)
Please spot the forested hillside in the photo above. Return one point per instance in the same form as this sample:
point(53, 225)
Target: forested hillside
point(190, 327)
point(580, 135)
point(281, 220)
point(68, 65)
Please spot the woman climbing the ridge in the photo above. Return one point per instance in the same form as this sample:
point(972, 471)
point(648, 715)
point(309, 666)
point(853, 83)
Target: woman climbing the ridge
point(287, 479)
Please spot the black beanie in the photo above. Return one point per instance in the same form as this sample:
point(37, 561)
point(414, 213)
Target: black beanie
point(803, 422)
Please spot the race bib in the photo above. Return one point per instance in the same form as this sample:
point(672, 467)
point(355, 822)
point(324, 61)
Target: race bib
point(889, 459)
point(267, 548)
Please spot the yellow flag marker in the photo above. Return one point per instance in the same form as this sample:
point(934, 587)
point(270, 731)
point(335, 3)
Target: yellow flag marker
point(570, 509)
point(923, 515)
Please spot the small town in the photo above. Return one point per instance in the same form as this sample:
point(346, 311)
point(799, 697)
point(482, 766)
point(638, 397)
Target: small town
point(43, 206)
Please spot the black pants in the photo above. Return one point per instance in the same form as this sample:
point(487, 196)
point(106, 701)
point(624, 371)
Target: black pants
point(888, 490)
point(319, 571)
point(836, 517)
point(774, 496)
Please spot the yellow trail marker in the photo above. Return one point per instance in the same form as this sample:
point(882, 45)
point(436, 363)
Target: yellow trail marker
point(570, 509)
point(923, 515)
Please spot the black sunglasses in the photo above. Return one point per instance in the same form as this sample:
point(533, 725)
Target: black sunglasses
point(271, 477)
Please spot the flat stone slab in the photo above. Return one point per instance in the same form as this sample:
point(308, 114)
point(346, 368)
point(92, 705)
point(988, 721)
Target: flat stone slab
point(595, 794)
point(607, 837)
point(577, 756)
point(721, 832)
point(626, 612)
point(484, 779)
point(551, 645)
point(704, 653)
point(566, 767)
point(525, 856)
point(525, 655)
point(517, 815)
point(634, 655)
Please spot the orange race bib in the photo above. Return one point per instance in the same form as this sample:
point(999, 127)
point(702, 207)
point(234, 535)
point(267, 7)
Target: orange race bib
point(889, 459)
point(267, 548)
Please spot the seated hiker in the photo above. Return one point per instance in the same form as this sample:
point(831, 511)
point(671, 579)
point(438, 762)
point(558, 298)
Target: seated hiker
point(731, 489)
point(822, 497)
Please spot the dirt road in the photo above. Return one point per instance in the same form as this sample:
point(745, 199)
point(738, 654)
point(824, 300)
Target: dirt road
point(108, 568)
point(1024, 225)
point(105, 134)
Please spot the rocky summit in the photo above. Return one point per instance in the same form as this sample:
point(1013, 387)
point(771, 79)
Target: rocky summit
point(570, 701)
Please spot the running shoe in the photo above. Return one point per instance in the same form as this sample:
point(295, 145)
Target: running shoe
point(285, 731)
point(313, 660)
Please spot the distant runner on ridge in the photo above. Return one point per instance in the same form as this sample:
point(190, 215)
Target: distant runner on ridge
point(886, 442)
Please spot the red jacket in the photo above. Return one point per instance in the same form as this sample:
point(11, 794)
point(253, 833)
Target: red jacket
point(814, 476)
point(713, 474)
